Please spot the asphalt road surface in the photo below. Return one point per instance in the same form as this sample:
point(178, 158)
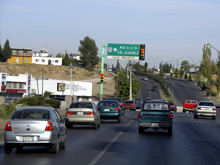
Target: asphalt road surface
point(182, 90)
point(194, 141)
point(146, 92)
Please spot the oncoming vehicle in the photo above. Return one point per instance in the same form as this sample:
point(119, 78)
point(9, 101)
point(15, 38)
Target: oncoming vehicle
point(145, 78)
point(155, 114)
point(189, 105)
point(205, 108)
point(110, 109)
point(82, 113)
point(154, 88)
point(35, 125)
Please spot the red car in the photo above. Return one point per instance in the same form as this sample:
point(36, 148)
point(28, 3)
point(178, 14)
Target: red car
point(130, 105)
point(189, 105)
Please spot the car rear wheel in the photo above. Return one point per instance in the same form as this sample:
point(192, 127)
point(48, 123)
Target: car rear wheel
point(63, 143)
point(55, 147)
point(119, 120)
point(214, 117)
point(69, 125)
point(95, 126)
point(19, 149)
point(8, 148)
point(195, 116)
point(141, 129)
point(170, 130)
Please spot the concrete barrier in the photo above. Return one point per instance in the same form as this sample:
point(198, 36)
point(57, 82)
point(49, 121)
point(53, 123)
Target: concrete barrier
point(179, 108)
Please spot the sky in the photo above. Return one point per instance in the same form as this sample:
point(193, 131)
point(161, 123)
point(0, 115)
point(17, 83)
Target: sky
point(172, 30)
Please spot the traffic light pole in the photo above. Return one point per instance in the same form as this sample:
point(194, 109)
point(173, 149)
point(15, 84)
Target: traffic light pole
point(102, 71)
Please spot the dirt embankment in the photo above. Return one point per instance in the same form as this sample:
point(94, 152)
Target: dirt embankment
point(62, 73)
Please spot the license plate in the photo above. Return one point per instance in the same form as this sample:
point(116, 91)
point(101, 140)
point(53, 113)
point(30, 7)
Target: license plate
point(79, 113)
point(27, 138)
point(155, 124)
point(106, 110)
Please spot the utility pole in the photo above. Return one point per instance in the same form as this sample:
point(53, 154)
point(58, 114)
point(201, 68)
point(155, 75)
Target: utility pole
point(130, 98)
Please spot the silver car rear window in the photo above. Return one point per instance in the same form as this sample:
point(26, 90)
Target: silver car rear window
point(31, 114)
point(206, 104)
point(81, 105)
point(155, 106)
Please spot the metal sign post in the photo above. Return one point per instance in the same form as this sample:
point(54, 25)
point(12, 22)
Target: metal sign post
point(102, 71)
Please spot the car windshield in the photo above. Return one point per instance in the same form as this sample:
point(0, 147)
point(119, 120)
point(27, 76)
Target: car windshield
point(206, 104)
point(119, 100)
point(155, 106)
point(108, 103)
point(31, 114)
point(191, 102)
point(81, 105)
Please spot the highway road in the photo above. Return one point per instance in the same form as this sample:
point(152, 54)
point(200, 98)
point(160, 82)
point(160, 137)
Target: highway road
point(182, 90)
point(194, 141)
point(146, 89)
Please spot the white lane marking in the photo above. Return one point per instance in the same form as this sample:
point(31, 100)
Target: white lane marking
point(96, 159)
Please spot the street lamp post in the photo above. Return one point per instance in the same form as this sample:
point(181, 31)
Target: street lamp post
point(43, 80)
point(177, 61)
point(215, 49)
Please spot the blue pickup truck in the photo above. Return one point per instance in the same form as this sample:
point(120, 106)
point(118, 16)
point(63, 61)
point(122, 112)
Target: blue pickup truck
point(155, 114)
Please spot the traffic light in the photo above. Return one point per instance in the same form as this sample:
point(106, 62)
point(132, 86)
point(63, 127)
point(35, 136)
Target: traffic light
point(102, 77)
point(142, 52)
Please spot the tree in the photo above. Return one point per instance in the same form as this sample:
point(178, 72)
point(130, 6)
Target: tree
point(206, 62)
point(185, 65)
point(123, 86)
point(60, 55)
point(89, 52)
point(6, 52)
point(145, 66)
point(1, 53)
point(66, 60)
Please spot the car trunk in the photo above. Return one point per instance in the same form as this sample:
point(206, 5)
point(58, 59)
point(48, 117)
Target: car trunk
point(28, 126)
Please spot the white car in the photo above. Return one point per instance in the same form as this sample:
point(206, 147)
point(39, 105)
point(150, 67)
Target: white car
point(145, 78)
point(205, 108)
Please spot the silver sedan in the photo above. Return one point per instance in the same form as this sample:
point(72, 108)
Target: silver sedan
point(82, 113)
point(35, 125)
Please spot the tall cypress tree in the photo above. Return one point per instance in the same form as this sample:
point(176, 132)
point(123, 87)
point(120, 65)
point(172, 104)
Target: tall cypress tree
point(6, 52)
point(1, 54)
point(89, 52)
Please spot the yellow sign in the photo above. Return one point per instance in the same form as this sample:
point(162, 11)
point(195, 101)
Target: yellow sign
point(61, 87)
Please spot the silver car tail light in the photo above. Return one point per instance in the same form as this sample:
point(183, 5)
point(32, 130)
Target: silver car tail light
point(8, 126)
point(49, 126)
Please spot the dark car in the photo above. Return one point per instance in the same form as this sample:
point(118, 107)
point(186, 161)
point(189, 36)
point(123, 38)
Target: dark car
point(110, 109)
point(155, 114)
point(130, 105)
point(172, 106)
point(120, 103)
point(154, 88)
point(138, 102)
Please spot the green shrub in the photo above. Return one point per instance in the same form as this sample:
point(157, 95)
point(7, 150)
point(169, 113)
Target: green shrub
point(30, 101)
point(47, 94)
point(214, 93)
point(53, 103)
point(40, 100)
point(208, 92)
point(89, 68)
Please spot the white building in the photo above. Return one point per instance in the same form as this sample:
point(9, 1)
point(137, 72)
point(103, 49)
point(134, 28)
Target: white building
point(47, 60)
point(28, 85)
point(42, 53)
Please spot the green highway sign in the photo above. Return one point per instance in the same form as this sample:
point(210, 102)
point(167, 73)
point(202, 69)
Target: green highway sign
point(123, 51)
